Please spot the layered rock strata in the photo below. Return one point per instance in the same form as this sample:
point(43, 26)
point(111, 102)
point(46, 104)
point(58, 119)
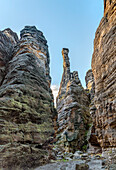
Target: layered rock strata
point(94, 146)
point(73, 110)
point(26, 101)
point(104, 71)
point(7, 41)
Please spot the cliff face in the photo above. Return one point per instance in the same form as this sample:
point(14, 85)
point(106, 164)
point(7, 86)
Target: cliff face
point(73, 110)
point(104, 70)
point(94, 146)
point(26, 102)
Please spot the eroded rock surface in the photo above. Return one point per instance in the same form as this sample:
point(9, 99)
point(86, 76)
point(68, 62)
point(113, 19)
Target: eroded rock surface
point(94, 146)
point(6, 49)
point(26, 101)
point(73, 110)
point(104, 71)
point(90, 84)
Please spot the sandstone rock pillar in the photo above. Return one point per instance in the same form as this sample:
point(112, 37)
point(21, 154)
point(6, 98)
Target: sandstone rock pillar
point(73, 110)
point(26, 103)
point(66, 66)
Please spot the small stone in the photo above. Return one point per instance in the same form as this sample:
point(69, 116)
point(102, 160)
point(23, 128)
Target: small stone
point(64, 167)
point(76, 155)
point(78, 152)
point(67, 158)
point(84, 155)
point(82, 167)
point(103, 162)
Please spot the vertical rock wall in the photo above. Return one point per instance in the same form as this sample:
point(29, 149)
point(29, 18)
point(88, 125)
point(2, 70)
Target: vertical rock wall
point(94, 146)
point(104, 70)
point(26, 101)
point(73, 110)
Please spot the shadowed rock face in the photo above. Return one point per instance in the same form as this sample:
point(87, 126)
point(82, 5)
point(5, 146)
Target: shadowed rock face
point(104, 70)
point(94, 146)
point(6, 49)
point(90, 84)
point(73, 110)
point(26, 102)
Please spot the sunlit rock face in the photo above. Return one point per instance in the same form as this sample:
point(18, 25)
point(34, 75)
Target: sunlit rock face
point(107, 5)
point(73, 110)
point(26, 101)
point(104, 71)
point(34, 40)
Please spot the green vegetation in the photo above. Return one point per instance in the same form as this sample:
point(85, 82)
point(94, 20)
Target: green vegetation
point(89, 125)
point(62, 160)
point(84, 148)
point(110, 152)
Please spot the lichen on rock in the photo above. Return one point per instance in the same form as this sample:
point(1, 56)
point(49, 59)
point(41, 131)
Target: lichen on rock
point(26, 101)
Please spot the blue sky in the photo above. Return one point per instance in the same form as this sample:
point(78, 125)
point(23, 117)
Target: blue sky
point(65, 24)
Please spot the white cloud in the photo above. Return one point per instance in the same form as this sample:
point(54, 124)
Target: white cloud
point(55, 89)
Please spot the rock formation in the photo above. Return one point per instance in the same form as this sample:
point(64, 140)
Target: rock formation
point(7, 40)
point(73, 110)
point(26, 101)
point(94, 146)
point(104, 71)
point(90, 84)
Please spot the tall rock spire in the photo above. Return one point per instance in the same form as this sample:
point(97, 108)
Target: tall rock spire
point(73, 110)
point(66, 71)
point(66, 66)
